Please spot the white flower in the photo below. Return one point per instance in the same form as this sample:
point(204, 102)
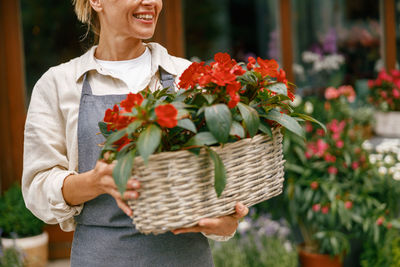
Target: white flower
point(297, 101)
point(382, 170)
point(288, 246)
point(308, 107)
point(310, 57)
point(398, 156)
point(389, 160)
point(392, 170)
point(396, 176)
point(372, 158)
point(243, 226)
point(367, 145)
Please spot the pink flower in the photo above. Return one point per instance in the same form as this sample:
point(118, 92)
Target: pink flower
point(309, 127)
point(320, 132)
point(321, 147)
point(330, 158)
point(384, 76)
point(331, 93)
point(383, 94)
point(389, 226)
point(325, 209)
point(396, 93)
point(380, 220)
point(347, 91)
point(332, 170)
point(308, 155)
point(339, 143)
point(355, 165)
point(348, 205)
point(371, 83)
point(316, 207)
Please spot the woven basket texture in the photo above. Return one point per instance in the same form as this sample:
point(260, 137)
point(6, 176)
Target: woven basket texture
point(177, 188)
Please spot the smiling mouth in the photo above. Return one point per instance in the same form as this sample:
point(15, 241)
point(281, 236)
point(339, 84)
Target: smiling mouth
point(147, 17)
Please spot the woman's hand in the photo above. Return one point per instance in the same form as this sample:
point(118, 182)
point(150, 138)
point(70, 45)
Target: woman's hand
point(222, 226)
point(83, 187)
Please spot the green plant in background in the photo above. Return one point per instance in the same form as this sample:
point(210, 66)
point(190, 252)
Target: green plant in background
point(11, 257)
point(15, 217)
point(333, 192)
point(260, 242)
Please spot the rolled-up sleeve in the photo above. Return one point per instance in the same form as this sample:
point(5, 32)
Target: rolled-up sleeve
point(45, 157)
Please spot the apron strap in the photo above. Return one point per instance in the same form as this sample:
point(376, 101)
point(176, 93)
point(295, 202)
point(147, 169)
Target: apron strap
point(167, 80)
point(86, 89)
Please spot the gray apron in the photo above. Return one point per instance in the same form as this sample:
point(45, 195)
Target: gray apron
point(104, 235)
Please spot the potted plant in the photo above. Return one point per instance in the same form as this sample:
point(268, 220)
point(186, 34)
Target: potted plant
point(22, 229)
point(223, 114)
point(384, 95)
point(332, 188)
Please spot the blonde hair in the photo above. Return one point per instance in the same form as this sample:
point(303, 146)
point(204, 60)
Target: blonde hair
point(87, 15)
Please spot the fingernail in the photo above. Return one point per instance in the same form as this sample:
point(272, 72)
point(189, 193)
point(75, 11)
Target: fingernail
point(135, 184)
point(133, 195)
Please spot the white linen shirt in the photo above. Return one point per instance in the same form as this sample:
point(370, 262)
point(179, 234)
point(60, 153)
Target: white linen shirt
point(51, 142)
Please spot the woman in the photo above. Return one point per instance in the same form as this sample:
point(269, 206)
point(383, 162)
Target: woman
point(63, 182)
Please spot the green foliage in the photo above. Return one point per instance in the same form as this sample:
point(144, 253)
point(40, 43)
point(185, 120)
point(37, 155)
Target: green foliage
point(11, 257)
point(15, 217)
point(269, 251)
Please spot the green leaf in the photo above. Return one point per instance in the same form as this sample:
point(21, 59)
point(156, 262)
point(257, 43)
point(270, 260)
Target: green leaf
point(103, 129)
point(188, 125)
point(132, 127)
point(148, 141)
point(286, 121)
point(250, 118)
point(219, 121)
point(201, 139)
point(210, 98)
point(123, 170)
point(114, 138)
point(219, 172)
point(309, 118)
point(265, 128)
point(279, 88)
point(237, 129)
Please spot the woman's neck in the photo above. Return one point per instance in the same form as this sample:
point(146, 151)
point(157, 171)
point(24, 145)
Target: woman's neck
point(119, 48)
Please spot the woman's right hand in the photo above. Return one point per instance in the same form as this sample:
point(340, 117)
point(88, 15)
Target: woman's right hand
point(105, 184)
point(80, 188)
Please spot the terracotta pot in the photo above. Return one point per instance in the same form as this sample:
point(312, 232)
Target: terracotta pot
point(308, 259)
point(35, 249)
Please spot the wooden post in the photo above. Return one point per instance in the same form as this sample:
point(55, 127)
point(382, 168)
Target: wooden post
point(285, 9)
point(388, 18)
point(12, 92)
point(169, 31)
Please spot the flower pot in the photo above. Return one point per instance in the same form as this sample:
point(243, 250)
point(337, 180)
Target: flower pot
point(35, 248)
point(308, 259)
point(387, 124)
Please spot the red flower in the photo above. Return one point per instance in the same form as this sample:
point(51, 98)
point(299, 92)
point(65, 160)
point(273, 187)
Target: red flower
point(233, 88)
point(281, 77)
point(267, 67)
point(339, 143)
point(131, 101)
point(122, 142)
point(234, 101)
point(111, 117)
point(348, 205)
point(355, 165)
point(308, 127)
point(166, 115)
point(332, 170)
point(252, 63)
point(316, 207)
point(314, 185)
point(325, 209)
point(191, 75)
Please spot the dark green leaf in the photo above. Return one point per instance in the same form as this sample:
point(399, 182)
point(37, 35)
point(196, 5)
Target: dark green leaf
point(201, 139)
point(114, 137)
point(148, 141)
point(286, 121)
point(250, 118)
point(210, 98)
point(219, 172)
point(188, 125)
point(123, 170)
point(265, 128)
point(219, 121)
point(279, 88)
point(103, 129)
point(309, 118)
point(237, 129)
point(132, 127)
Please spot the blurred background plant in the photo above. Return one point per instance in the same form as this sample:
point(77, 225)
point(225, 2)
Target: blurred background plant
point(260, 241)
point(11, 257)
point(384, 91)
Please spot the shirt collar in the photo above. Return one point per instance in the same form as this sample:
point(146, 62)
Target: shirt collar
point(159, 58)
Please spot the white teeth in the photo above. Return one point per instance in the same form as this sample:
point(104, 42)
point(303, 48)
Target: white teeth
point(144, 16)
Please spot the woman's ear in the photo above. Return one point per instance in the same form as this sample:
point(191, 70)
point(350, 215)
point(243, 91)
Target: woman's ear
point(96, 5)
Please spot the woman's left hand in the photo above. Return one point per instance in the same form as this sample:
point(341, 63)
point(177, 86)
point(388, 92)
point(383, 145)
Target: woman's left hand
point(222, 226)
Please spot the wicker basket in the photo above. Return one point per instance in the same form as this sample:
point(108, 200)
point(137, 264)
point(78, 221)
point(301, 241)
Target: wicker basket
point(177, 188)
